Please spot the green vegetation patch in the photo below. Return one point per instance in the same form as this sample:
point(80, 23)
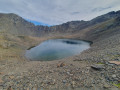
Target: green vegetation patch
point(117, 85)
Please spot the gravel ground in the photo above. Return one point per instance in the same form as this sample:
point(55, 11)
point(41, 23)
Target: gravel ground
point(91, 70)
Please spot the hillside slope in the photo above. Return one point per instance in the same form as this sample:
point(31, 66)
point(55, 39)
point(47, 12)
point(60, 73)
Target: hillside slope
point(75, 72)
point(15, 24)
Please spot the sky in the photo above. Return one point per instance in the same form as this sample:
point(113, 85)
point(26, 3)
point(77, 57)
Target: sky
point(54, 12)
point(37, 22)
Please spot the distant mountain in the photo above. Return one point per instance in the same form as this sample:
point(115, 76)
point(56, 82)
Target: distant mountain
point(16, 25)
point(78, 25)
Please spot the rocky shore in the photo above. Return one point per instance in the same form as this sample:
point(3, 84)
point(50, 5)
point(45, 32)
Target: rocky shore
point(97, 68)
point(93, 69)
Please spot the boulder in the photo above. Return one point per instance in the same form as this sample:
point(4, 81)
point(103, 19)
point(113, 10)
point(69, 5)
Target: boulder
point(98, 66)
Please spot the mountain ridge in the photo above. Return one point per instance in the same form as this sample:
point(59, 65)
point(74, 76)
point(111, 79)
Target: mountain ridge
point(18, 24)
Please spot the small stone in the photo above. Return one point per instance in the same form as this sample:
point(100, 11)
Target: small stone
point(98, 66)
point(9, 88)
point(28, 88)
point(68, 73)
point(106, 86)
point(71, 74)
point(64, 81)
point(11, 77)
point(52, 82)
point(114, 76)
point(114, 62)
point(61, 64)
point(88, 68)
point(34, 88)
point(1, 81)
point(1, 73)
point(73, 84)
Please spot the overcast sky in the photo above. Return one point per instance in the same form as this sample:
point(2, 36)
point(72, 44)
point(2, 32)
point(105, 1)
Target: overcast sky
point(54, 12)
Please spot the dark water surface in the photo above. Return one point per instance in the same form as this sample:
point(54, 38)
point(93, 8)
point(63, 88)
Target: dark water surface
point(55, 49)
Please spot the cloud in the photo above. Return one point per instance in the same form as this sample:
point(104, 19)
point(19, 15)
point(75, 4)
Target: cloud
point(54, 12)
point(100, 9)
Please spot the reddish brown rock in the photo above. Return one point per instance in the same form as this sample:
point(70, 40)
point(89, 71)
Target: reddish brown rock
point(61, 64)
point(1, 81)
point(115, 62)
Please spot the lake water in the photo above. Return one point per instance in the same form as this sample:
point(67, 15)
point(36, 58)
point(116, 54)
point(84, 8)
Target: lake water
point(55, 49)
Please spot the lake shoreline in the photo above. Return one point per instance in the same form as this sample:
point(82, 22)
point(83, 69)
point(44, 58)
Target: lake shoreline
point(53, 49)
point(71, 72)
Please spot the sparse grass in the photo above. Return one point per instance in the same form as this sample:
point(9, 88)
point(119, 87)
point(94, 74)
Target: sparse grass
point(100, 63)
point(117, 85)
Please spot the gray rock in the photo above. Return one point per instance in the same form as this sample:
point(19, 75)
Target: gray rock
point(106, 86)
point(98, 66)
point(64, 81)
point(114, 76)
point(68, 73)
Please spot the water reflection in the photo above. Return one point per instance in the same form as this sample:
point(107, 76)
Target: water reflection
point(56, 49)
